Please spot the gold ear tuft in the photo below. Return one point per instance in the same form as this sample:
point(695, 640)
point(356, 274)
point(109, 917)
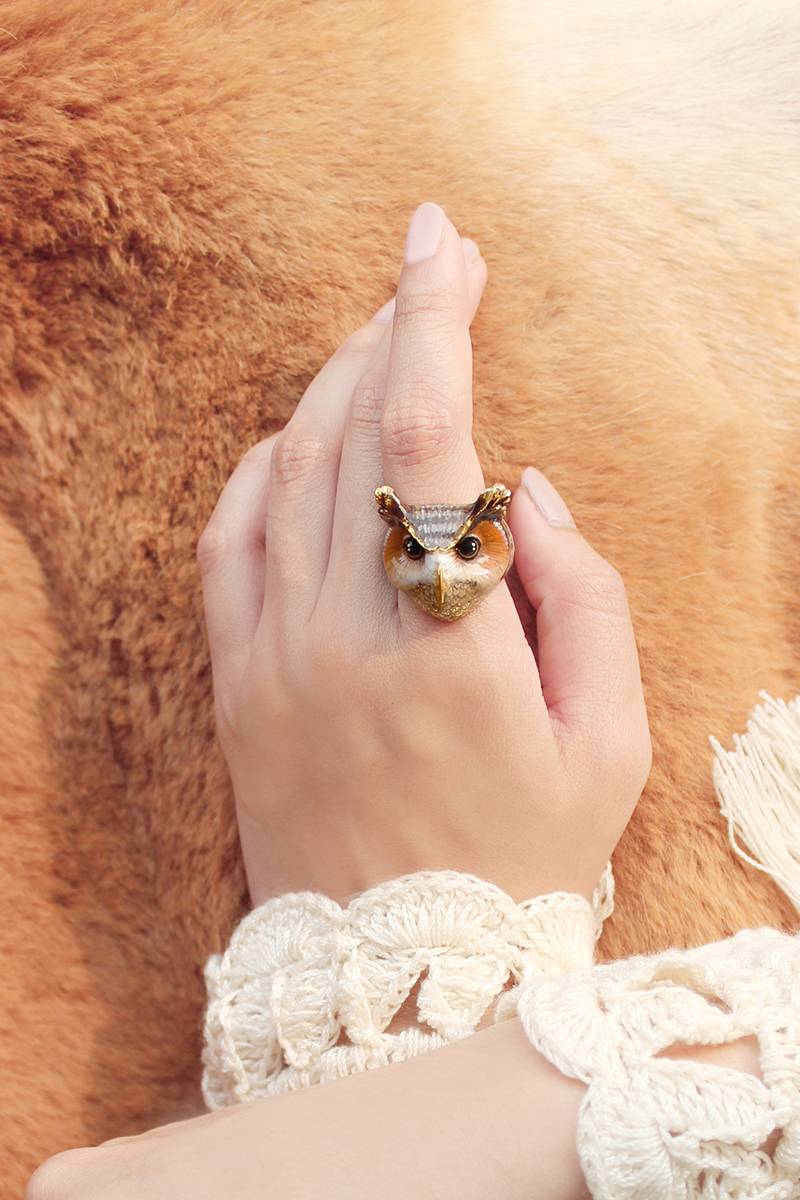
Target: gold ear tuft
point(389, 507)
point(491, 505)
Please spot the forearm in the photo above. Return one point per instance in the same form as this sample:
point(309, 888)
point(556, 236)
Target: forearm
point(500, 1110)
point(486, 1116)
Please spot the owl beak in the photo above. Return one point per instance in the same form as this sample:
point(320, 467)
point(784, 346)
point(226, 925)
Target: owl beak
point(441, 586)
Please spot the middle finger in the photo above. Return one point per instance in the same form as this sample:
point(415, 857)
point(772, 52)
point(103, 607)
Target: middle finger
point(358, 534)
point(428, 453)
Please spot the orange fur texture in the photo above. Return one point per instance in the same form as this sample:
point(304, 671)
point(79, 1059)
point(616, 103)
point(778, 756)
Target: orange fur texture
point(198, 201)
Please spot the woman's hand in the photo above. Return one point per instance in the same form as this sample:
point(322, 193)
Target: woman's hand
point(365, 739)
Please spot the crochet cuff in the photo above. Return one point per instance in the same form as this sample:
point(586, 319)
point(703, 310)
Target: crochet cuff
point(307, 990)
point(662, 1128)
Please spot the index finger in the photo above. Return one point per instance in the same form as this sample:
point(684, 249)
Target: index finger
point(426, 436)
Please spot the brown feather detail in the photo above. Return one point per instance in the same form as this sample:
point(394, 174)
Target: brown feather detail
point(492, 538)
point(393, 546)
point(491, 504)
point(496, 542)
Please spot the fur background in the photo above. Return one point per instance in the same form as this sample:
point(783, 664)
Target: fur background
point(198, 201)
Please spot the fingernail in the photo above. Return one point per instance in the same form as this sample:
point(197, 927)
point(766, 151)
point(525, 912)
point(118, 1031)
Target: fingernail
point(471, 251)
point(385, 314)
point(547, 499)
point(424, 233)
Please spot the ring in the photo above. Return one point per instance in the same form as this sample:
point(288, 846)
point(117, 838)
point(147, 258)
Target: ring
point(447, 557)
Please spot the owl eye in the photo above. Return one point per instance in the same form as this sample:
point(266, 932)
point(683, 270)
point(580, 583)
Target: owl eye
point(412, 547)
point(468, 547)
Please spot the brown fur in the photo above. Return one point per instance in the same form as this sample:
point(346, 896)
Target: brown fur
point(198, 202)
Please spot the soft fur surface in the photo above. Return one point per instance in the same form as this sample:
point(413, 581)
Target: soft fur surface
point(198, 201)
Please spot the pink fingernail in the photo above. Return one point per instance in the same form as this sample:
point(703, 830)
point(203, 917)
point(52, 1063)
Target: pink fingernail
point(385, 314)
point(425, 232)
point(471, 251)
point(547, 499)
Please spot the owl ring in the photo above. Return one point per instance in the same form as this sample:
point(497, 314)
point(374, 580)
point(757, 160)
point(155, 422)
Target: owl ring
point(447, 557)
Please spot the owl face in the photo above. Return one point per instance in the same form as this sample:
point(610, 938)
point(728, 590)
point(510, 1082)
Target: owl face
point(447, 557)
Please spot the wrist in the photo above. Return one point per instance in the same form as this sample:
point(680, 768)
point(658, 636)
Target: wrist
point(378, 836)
point(308, 990)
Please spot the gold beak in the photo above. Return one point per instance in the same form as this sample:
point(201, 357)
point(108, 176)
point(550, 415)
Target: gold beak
point(441, 586)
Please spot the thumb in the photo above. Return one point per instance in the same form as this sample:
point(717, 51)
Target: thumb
point(588, 663)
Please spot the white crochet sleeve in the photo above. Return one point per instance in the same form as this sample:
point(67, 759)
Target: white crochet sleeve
point(307, 991)
point(662, 1128)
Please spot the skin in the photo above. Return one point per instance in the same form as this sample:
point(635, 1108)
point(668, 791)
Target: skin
point(300, 612)
point(440, 720)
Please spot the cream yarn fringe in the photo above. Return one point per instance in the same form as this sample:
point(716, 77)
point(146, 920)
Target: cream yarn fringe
point(306, 990)
point(758, 787)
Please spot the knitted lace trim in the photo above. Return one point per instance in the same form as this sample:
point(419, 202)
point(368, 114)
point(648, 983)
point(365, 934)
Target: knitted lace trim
point(306, 990)
point(656, 1128)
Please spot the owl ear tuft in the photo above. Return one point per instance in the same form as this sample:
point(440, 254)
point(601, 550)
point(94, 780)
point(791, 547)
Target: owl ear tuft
point(390, 508)
point(490, 505)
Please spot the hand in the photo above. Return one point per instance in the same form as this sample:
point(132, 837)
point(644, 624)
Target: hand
point(364, 738)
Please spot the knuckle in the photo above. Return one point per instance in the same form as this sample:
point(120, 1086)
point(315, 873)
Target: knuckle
point(417, 431)
point(424, 308)
point(296, 454)
point(367, 404)
point(211, 546)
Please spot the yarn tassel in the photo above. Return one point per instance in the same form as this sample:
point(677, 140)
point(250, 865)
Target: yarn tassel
point(758, 788)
